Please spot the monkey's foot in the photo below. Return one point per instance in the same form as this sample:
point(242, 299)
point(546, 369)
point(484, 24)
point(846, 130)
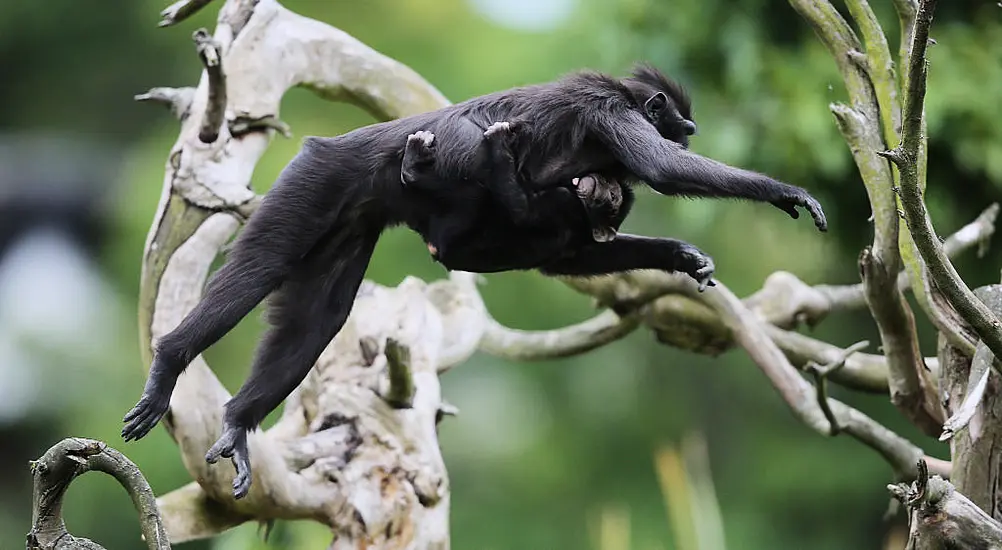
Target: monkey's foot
point(151, 408)
point(233, 445)
point(799, 197)
point(419, 153)
point(696, 264)
point(501, 131)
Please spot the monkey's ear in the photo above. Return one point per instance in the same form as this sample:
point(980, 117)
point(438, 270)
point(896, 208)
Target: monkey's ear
point(655, 105)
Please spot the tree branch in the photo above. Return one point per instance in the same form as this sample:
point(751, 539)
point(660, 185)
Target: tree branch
point(55, 471)
point(906, 156)
point(522, 345)
point(210, 54)
point(798, 393)
point(940, 517)
point(869, 87)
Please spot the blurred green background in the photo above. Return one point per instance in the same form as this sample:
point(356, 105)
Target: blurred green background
point(539, 449)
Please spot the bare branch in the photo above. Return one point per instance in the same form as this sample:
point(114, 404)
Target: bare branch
point(947, 280)
point(178, 99)
point(64, 462)
point(179, 11)
point(940, 517)
point(210, 54)
point(576, 339)
point(191, 514)
point(798, 393)
point(912, 388)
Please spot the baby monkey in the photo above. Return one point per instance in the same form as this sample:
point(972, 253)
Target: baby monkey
point(495, 182)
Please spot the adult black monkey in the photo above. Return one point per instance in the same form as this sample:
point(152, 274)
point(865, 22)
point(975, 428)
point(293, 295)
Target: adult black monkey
point(311, 239)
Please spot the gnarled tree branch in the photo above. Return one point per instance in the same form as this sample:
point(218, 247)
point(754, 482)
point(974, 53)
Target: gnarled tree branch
point(55, 471)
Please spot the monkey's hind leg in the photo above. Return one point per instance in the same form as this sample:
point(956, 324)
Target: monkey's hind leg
point(283, 229)
point(419, 159)
point(308, 311)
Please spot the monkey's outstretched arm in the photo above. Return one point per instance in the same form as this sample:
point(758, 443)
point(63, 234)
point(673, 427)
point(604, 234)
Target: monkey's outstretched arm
point(670, 169)
point(629, 252)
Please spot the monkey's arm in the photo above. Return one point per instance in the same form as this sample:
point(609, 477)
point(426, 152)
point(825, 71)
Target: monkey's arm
point(629, 252)
point(670, 169)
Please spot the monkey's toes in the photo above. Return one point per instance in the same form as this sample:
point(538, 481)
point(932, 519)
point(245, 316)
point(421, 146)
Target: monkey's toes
point(233, 445)
point(497, 128)
point(422, 137)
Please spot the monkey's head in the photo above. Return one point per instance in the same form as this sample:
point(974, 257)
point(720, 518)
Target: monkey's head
point(664, 102)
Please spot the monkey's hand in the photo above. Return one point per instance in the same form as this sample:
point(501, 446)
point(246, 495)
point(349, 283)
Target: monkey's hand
point(692, 261)
point(419, 154)
point(233, 445)
point(798, 197)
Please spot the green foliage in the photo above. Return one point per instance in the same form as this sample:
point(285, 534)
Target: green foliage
point(539, 447)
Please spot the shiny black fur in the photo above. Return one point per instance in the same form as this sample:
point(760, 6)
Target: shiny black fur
point(312, 237)
point(495, 186)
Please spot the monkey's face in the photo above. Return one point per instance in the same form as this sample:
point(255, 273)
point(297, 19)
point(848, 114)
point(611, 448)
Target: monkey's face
point(665, 116)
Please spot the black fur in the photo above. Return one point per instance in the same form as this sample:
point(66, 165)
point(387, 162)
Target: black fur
point(315, 230)
point(495, 185)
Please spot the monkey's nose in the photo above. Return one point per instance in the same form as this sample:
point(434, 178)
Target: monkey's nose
point(690, 127)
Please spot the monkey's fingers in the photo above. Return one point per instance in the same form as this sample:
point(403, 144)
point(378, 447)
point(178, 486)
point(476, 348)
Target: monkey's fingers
point(820, 220)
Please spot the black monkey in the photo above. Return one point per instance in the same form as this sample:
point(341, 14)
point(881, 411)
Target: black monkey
point(462, 203)
point(311, 239)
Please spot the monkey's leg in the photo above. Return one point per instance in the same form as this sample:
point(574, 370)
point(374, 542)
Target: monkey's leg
point(671, 169)
point(629, 252)
point(274, 238)
point(309, 310)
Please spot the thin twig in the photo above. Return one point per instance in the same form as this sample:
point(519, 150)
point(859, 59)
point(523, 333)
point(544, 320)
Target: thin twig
point(178, 99)
point(820, 374)
point(179, 11)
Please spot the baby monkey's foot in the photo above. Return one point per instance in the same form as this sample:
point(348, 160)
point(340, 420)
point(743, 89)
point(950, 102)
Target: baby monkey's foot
point(419, 153)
